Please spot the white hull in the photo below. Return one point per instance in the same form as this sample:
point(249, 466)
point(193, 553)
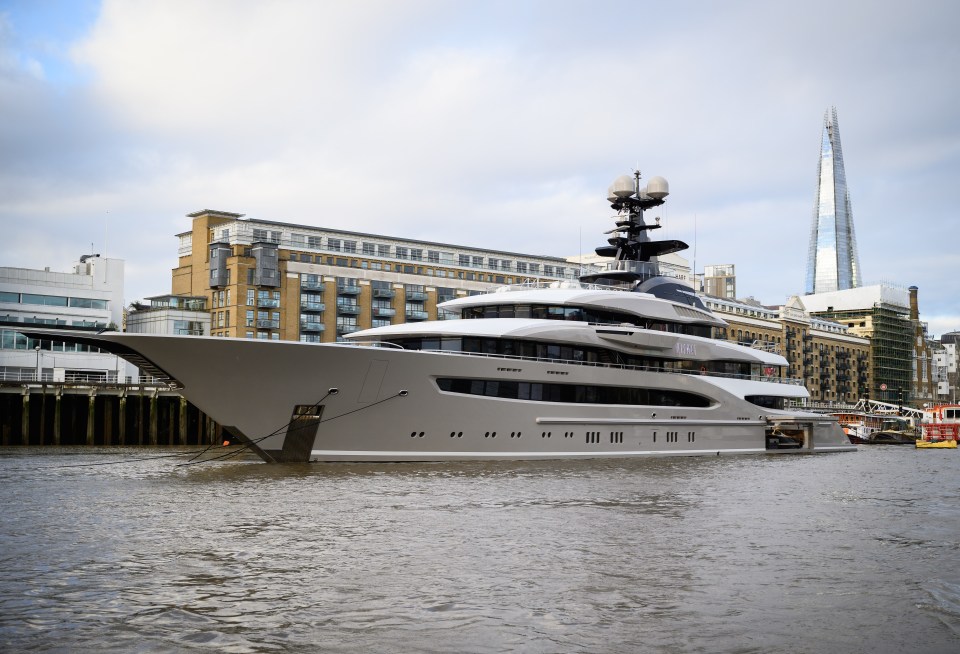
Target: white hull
point(388, 406)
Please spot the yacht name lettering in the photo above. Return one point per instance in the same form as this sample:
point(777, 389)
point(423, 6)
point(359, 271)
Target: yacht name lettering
point(685, 349)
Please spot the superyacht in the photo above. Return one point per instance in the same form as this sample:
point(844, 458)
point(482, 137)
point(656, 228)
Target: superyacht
point(621, 364)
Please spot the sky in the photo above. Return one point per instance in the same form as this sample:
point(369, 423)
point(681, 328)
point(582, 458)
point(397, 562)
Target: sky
point(484, 123)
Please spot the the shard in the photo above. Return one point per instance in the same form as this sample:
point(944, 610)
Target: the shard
point(832, 262)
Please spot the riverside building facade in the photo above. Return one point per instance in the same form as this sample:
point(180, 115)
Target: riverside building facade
point(900, 353)
point(283, 281)
point(833, 363)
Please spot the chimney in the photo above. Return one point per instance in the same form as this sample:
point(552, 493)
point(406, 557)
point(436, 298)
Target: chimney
point(914, 305)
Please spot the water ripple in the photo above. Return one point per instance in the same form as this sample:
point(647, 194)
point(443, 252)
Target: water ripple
point(844, 553)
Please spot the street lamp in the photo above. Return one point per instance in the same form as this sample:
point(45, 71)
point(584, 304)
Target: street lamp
point(37, 348)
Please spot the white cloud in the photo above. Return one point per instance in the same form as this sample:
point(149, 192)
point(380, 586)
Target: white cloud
point(496, 124)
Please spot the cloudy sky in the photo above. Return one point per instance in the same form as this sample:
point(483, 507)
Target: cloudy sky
point(496, 124)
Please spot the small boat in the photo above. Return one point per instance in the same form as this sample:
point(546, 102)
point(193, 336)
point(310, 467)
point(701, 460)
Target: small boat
point(889, 438)
point(941, 445)
point(940, 428)
point(871, 428)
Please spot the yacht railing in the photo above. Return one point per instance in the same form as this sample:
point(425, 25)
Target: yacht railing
point(536, 283)
point(596, 364)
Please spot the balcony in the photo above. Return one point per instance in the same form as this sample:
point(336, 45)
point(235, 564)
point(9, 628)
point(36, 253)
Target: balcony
point(267, 302)
point(268, 324)
point(348, 309)
point(383, 312)
point(384, 293)
point(415, 296)
point(413, 314)
point(312, 285)
point(348, 289)
point(346, 329)
point(312, 306)
point(306, 327)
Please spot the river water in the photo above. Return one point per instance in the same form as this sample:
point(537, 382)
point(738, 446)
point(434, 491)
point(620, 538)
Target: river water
point(854, 552)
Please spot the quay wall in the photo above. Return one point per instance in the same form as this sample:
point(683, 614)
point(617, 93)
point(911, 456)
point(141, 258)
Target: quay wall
point(67, 414)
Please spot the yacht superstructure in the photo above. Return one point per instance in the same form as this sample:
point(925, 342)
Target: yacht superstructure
point(619, 365)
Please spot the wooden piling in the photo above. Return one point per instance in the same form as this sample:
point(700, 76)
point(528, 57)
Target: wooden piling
point(91, 417)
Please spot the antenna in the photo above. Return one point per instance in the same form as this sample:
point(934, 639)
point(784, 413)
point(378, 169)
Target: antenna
point(580, 250)
point(695, 253)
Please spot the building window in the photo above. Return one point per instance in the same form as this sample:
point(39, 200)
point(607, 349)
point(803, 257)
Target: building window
point(369, 249)
point(383, 250)
point(314, 242)
point(416, 254)
point(349, 246)
point(333, 244)
point(250, 296)
point(401, 252)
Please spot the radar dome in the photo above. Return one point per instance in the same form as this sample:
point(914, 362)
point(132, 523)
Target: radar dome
point(623, 187)
point(657, 188)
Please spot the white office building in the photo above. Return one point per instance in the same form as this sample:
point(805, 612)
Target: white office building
point(90, 297)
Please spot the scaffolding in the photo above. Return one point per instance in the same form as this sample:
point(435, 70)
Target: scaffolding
point(891, 349)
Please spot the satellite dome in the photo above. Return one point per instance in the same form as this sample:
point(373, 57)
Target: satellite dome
point(657, 188)
point(623, 187)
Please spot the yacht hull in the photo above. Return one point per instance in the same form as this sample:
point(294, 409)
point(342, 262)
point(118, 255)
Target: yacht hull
point(295, 401)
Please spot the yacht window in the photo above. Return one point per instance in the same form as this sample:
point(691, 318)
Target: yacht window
point(572, 393)
point(766, 401)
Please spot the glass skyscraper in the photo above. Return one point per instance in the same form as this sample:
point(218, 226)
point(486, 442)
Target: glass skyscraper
point(832, 262)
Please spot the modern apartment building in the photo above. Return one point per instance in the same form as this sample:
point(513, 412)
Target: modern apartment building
point(832, 260)
point(834, 363)
point(169, 314)
point(950, 362)
point(283, 281)
point(720, 280)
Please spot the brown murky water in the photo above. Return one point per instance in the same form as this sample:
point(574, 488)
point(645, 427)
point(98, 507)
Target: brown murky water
point(851, 552)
